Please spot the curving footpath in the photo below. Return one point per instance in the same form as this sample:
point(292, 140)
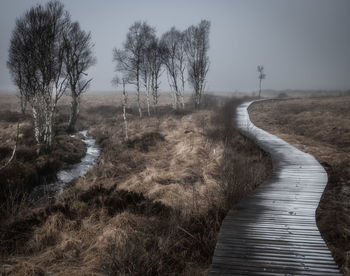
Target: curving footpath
point(273, 230)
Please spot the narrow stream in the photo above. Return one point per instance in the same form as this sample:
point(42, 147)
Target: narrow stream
point(53, 190)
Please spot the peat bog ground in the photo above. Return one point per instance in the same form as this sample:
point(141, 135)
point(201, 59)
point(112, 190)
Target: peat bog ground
point(152, 204)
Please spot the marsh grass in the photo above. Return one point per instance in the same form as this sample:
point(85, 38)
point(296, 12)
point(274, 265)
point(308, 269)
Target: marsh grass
point(153, 205)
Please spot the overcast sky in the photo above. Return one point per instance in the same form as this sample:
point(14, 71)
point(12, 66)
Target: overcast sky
point(303, 44)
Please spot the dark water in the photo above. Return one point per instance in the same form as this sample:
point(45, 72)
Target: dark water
point(52, 190)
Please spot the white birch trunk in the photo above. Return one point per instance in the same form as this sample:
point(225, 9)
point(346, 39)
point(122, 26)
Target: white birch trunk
point(23, 104)
point(148, 102)
point(125, 101)
point(138, 92)
point(182, 101)
point(174, 100)
point(74, 113)
point(36, 128)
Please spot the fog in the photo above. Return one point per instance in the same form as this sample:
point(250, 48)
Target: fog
point(303, 44)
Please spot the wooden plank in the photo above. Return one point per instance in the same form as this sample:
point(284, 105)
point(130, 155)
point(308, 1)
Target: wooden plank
point(273, 230)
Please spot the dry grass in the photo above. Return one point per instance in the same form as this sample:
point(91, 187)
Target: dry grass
point(152, 205)
point(320, 126)
point(28, 170)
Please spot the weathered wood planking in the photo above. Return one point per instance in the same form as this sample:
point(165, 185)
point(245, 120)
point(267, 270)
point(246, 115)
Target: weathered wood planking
point(273, 231)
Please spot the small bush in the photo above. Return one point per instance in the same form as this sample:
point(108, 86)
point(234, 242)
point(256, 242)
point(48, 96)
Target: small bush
point(282, 95)
point(209, 101)
point(10, 116)
point(47, 165)
point(4, 152)
point(105, 110)
point(26, 153)
point(146, 141)
point(69, 149)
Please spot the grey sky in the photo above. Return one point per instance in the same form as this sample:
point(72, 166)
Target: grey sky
point(303, 44)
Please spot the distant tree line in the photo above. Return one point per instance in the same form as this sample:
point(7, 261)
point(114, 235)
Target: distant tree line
point(144, 57)
point(49, 54)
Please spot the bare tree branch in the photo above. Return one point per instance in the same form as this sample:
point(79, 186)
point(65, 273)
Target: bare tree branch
point(78, 58)
point(130, 59)
point(174, 60)
point(196, 47)
point(36, 64)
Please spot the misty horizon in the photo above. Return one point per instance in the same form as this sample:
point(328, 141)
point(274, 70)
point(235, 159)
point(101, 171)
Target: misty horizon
point(303, 45)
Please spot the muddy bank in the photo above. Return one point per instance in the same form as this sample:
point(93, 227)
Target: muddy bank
point(29, 170)
point(71, 171)
point(151, 206)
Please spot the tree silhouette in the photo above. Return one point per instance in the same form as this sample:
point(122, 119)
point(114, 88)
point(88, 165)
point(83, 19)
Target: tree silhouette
point(261, 76)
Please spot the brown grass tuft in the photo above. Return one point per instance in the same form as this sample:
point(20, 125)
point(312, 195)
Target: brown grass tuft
point(26, 269)
point(153, 205)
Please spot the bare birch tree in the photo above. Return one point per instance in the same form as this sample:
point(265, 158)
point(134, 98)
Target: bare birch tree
point(78, 57)
point(37, 43)
point(131, 56)
point(124, 76)
point(17, 71)
point(124, 80)
point(261, 76)
point(146, 68)
point(125, 103)
point(155, 58)
point(175, 62)
point(146, 80)
point(196, 46)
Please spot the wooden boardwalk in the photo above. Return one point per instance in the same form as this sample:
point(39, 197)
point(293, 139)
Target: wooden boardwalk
point(273, 231)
